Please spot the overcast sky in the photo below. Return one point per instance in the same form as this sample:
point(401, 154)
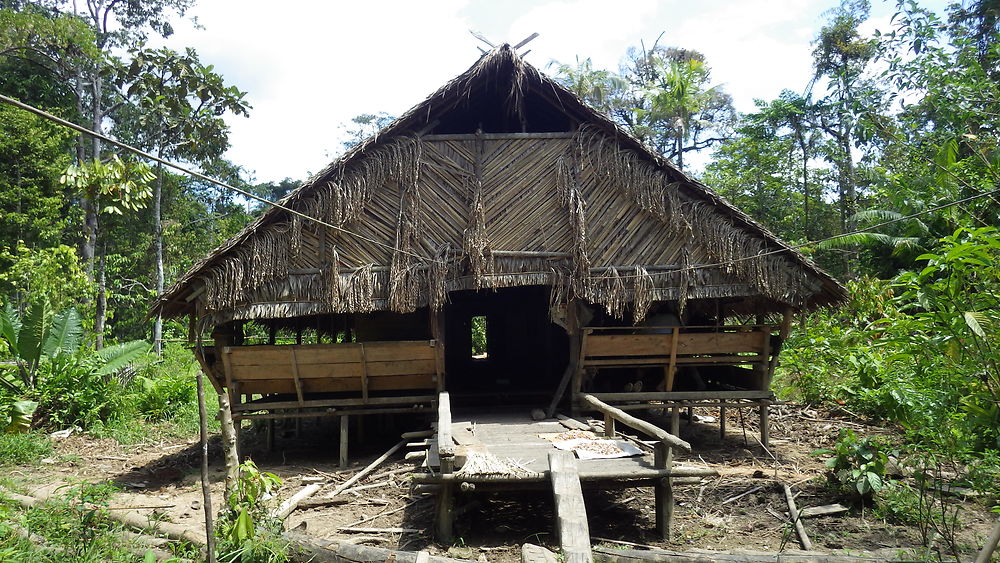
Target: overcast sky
point(310, 66)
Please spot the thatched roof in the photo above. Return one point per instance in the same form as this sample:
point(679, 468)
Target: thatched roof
point(553, 193)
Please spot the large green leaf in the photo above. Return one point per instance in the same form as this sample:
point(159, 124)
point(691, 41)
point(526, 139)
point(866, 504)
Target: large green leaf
point(977, 322)
point(20, 416)
point(10, 325)
point(115, 358)
point(64, 334)
point(30, 338)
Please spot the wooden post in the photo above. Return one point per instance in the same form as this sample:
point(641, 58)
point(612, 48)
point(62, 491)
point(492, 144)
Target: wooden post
point(786, 324)
point(205, 482)
point(765, 423)
point(671, 370)
point(230, 442)
point(675, 420)
point(446, 454)
point(573, 361)
point(722, 422)
point(664, 491)
point(364, 374)
point(295, 376)
point(343, 440)
point(609, 426)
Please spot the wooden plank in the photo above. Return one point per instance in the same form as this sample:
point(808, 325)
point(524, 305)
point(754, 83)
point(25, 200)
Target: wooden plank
point(352, 402)
point(266, 355)
point(399, 350)
point(384, 383)
point(623, 345)
point(683, 395)
point(793, 514)
point(295, 376)
point(400, 367)
point(306, 371)
point(571, 513)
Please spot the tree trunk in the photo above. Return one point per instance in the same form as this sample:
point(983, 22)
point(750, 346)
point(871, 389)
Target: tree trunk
point(102, 304)
point(158, 243)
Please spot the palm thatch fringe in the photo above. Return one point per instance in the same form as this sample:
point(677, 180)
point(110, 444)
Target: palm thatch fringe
point(360, 289)
point(642, 294)
point(437, 293)
point(475, 242)
point(773, 275)
point(571, 198)
point(335, 291)
point(403, 287)
point(558, 294)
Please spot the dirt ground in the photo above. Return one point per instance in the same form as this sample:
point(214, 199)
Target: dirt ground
point(162, 480)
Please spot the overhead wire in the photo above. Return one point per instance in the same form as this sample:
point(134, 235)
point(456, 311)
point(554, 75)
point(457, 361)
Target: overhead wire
point(80, 129)
point(250, 195)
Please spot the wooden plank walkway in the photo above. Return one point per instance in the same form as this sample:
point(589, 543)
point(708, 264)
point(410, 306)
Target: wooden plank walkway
point(571, 514)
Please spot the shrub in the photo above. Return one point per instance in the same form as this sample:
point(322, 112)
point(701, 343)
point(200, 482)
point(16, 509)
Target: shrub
point(858, 464)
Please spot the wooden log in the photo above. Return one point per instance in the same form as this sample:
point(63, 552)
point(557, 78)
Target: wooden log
point(683, 395)
point(990, 546)
point(825, 510)
point(635, 423)
point(293, 502)
point(614, 555)
point(793, 513)
point(675, 471)
point(320, 550)
point(663, 492)
point(368, 469)
point(128, 518)
point(571, 513)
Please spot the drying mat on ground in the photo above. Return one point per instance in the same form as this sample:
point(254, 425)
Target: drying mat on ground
point(481, 464)
point(598, 449)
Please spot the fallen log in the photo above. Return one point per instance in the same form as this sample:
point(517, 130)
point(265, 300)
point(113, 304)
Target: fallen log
point(130, 519)
point(793, 513)
point(614, 555)
point(319, 550)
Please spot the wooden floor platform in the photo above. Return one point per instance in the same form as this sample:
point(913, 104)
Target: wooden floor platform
point(498, 451)
point(515, 437)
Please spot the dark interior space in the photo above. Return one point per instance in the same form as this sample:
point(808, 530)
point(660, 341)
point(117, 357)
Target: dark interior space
point(522, 357)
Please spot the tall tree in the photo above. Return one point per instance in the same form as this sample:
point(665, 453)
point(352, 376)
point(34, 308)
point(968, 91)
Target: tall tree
point(177, 104)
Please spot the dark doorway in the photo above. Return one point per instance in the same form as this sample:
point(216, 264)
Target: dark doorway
point(502, 347)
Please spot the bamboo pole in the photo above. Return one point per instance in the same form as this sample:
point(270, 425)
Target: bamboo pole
point(206, 489)
point(990, 546)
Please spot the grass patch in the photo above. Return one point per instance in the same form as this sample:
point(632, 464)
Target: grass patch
point(24, 448)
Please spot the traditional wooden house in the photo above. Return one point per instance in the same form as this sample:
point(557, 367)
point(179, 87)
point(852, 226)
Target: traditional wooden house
point(501, 202)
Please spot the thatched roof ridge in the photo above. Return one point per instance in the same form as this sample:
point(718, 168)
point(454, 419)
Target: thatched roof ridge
point(501, 63)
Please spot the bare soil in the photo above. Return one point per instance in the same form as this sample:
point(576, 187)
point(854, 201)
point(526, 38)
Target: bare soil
point(162, 480)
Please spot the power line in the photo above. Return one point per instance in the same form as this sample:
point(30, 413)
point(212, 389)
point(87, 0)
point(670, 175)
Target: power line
point(289, 210)
point(199, 175)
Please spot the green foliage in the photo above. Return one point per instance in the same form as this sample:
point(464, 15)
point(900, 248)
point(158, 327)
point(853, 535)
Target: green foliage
point(246, 531)
point(858, 464)
point(166, 388)
point(23, 448)
point(71, 384)
point(54, 275)
point(118, 185)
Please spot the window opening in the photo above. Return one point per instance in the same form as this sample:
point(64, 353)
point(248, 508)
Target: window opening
point(480, 345)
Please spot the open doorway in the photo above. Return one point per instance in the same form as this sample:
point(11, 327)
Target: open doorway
point(502, 347)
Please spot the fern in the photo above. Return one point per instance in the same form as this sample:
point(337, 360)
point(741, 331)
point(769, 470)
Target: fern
point(120, 356)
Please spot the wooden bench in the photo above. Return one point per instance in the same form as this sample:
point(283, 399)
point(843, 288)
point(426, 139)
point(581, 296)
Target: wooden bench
point(672, 347)
point(361, 373)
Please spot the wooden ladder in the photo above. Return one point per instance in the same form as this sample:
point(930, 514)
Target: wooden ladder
point(571, 514)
